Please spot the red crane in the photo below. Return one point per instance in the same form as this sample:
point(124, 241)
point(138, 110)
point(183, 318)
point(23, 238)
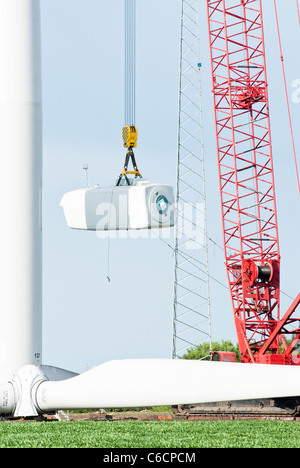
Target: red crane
point(246, 178)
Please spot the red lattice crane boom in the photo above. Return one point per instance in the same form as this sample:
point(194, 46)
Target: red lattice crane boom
point(247, 186)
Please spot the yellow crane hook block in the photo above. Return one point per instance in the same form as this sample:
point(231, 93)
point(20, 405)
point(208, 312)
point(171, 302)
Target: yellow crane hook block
point(130, 136)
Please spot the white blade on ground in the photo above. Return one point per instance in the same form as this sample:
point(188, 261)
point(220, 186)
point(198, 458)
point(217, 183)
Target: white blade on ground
point(155, 382)
point(56, 373)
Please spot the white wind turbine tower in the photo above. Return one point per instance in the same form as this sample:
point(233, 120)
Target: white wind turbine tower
point(27, 387)
point(20, 186)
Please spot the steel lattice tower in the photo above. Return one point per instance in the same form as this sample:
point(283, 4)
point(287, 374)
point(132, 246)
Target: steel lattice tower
point(191, 314)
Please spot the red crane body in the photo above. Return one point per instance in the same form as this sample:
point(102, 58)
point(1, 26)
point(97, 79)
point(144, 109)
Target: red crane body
point(246, 178)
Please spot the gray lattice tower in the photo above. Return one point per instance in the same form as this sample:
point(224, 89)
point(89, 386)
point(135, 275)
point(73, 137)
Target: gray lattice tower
point(191, 320)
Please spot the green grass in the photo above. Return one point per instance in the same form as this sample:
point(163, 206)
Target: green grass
point(162, 434)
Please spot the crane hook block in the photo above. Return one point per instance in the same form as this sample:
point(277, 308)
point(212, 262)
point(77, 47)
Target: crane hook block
point(130, 136)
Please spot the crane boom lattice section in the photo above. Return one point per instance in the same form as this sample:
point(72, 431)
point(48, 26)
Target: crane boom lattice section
point(246, 174)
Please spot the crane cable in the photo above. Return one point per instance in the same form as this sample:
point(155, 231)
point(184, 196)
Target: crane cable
point(286, 91)
point(130, 61)
point(130, 133)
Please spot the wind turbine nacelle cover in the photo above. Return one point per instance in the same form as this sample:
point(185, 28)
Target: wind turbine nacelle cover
point(140, 205)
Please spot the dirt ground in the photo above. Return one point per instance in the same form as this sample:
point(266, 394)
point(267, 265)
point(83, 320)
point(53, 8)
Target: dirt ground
point(143, 415)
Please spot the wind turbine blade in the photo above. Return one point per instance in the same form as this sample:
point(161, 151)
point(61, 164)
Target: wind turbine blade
point(156, 382)
point(56, 373)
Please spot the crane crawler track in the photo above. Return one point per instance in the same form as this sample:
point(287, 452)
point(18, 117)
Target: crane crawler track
point(276, 409)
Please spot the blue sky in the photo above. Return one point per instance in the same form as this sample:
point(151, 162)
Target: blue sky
point(86, 319)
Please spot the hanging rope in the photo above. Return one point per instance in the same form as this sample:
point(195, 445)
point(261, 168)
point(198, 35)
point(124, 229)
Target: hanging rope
point(286, 91)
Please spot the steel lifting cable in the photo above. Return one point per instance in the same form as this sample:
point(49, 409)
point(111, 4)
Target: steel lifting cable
point(286, 91)
point(129, 132)
point(130, 61)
